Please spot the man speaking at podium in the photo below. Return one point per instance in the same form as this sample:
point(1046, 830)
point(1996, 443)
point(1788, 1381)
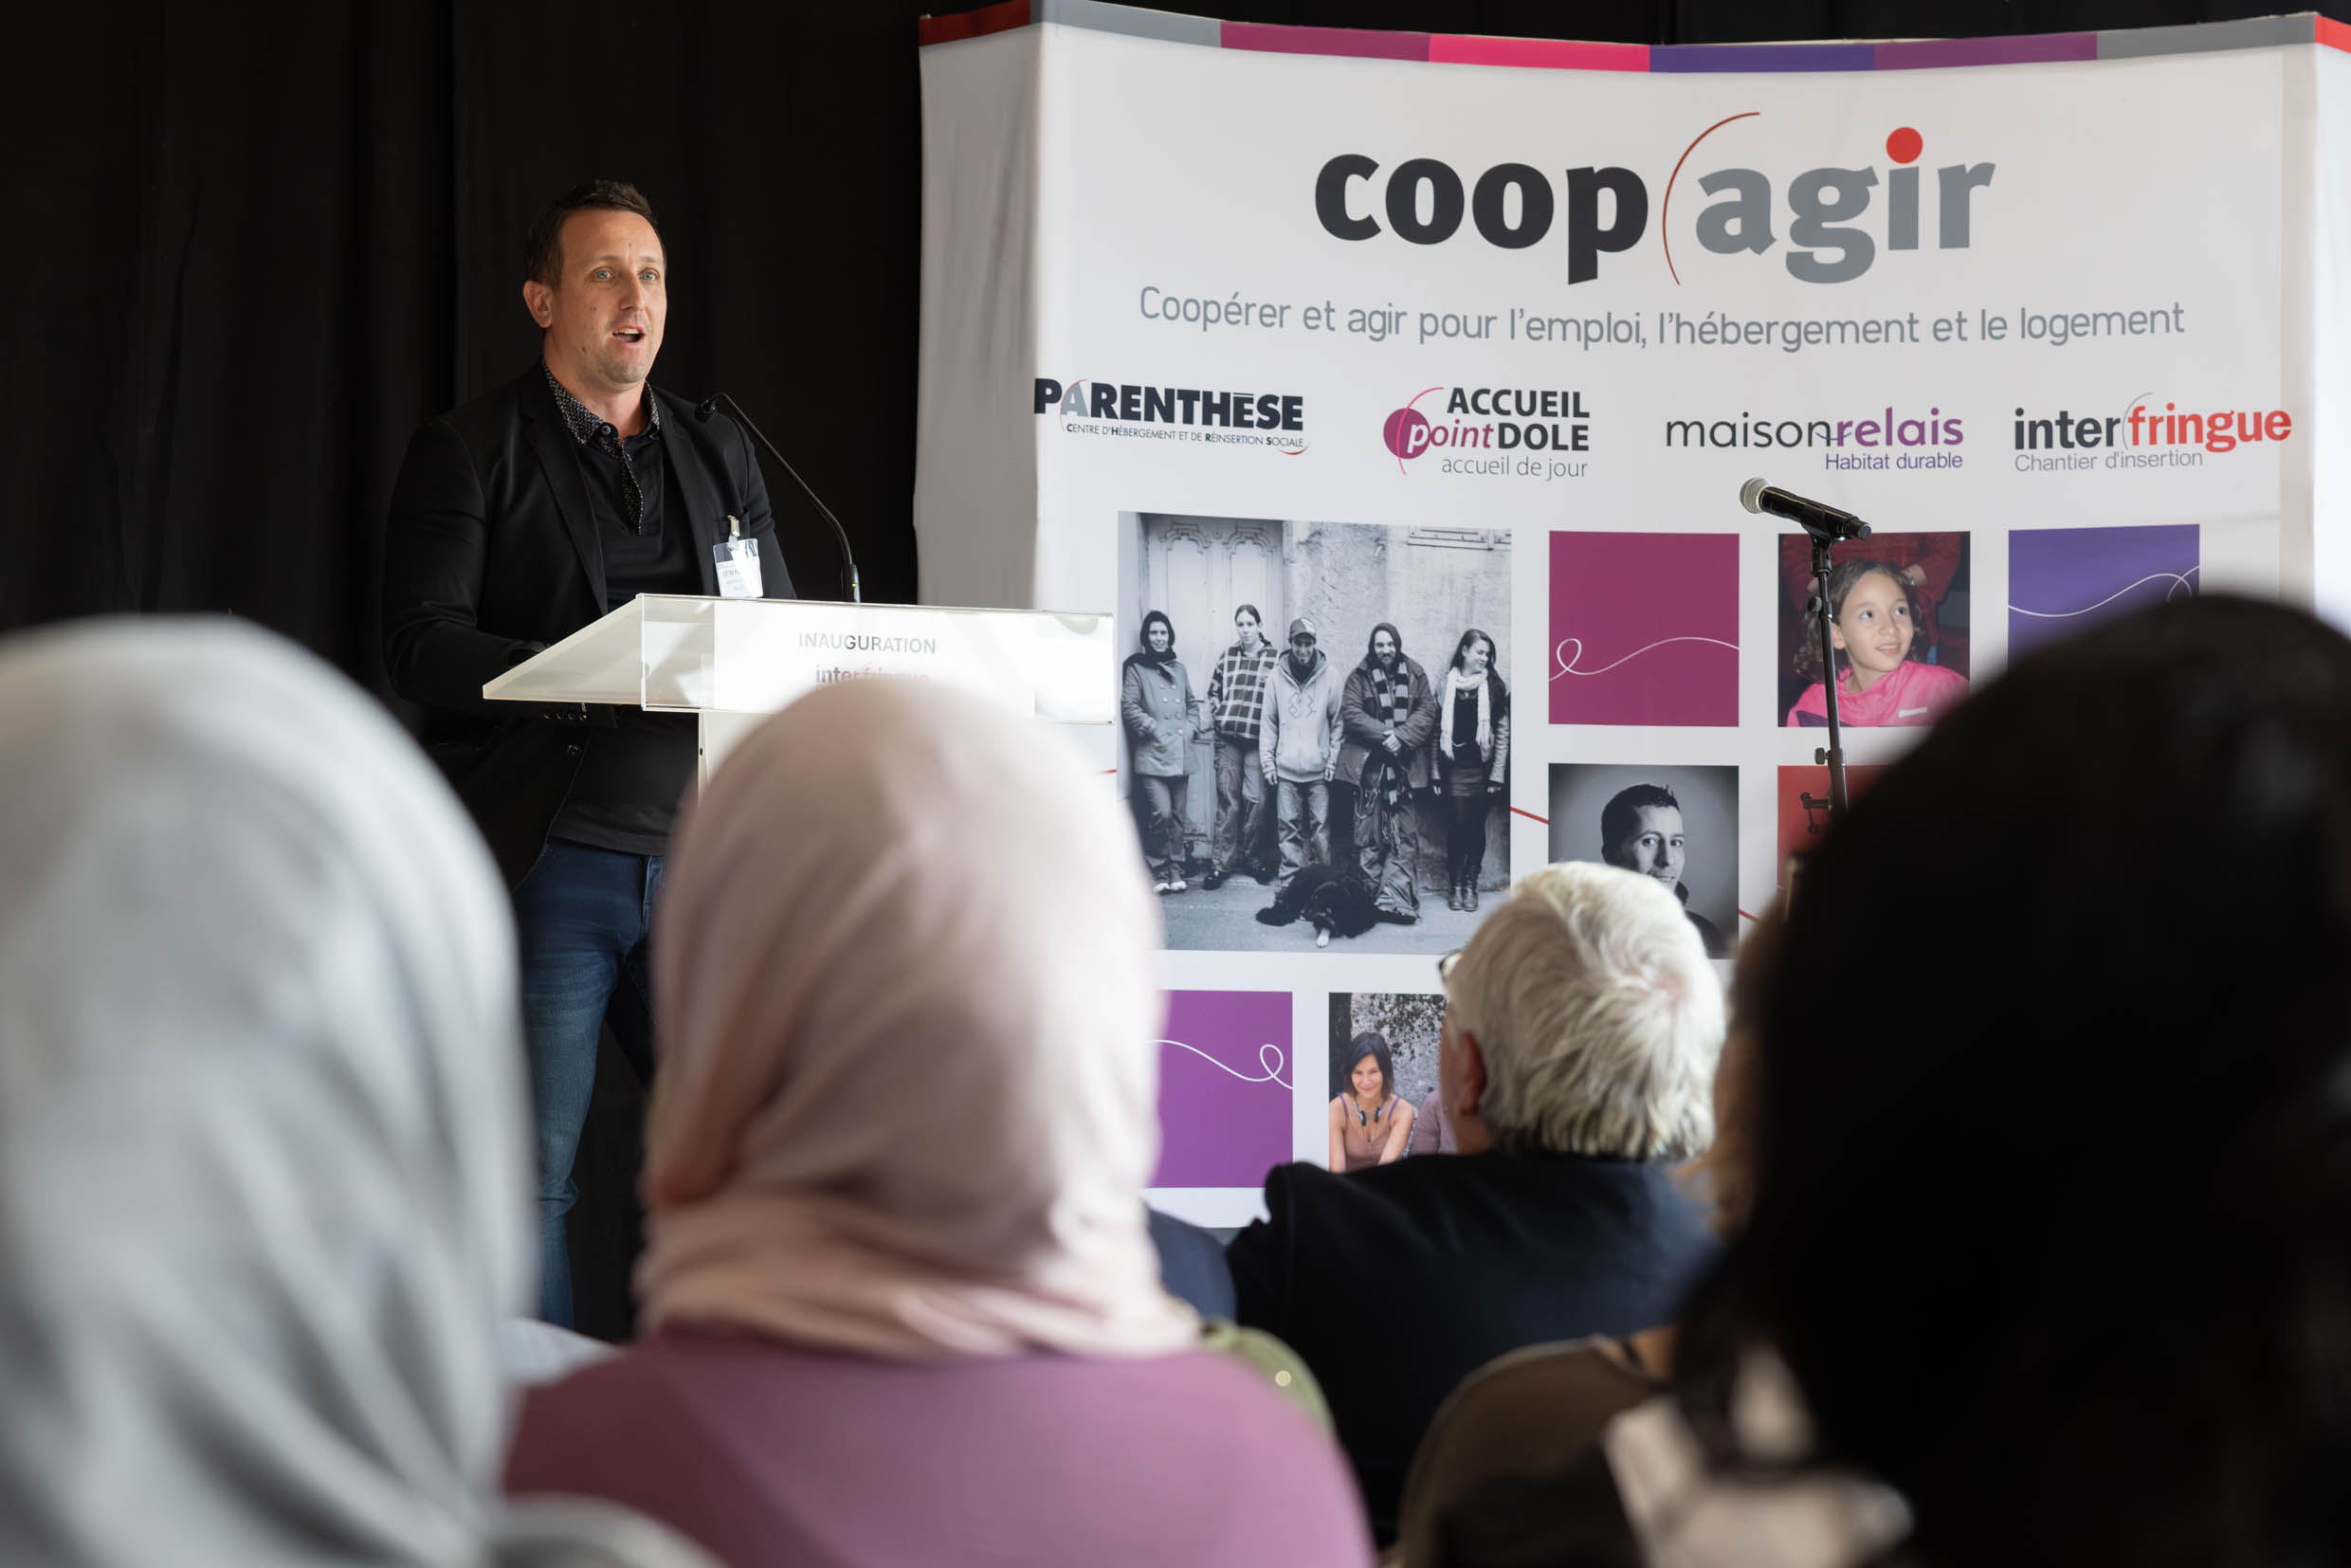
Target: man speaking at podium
point(515, 521)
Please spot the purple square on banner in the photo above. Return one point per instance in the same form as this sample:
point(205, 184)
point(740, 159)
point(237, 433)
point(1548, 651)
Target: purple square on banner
point(1644, 629)
point(2064, 580)
point(1224, 1088)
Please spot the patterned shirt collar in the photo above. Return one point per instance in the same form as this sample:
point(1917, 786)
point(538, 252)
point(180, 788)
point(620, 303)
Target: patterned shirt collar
point(583, 422)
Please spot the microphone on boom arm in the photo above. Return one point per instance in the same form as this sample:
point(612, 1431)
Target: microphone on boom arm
point(702, 411)
point(1827, 525)
point(1818, 519)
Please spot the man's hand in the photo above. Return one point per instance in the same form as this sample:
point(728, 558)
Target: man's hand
point(1388, 741)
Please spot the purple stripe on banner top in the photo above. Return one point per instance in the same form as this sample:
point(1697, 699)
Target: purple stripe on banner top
point(1932, 53)
point(1355, 43)
point(1762, 56)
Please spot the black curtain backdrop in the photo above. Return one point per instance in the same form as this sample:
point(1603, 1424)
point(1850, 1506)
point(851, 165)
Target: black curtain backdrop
point(262, 249)
point(262, 244)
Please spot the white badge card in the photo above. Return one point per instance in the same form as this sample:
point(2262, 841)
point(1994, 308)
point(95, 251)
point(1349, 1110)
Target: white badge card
point(738, 567)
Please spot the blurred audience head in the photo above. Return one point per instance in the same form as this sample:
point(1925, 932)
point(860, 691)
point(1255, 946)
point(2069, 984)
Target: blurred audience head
point(2052, 1207)
point(1724, 1176)
point(908, 1025)
point(1583, 1018)
point(263, 1178)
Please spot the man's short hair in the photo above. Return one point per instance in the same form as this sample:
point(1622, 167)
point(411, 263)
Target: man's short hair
point(543, 250)
point(1597, 1015)
point(1621, 817)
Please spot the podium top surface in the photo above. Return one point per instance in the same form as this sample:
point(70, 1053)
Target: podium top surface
point(691, 653)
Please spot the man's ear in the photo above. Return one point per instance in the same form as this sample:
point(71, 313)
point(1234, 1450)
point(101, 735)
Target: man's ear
point(540, 300)
point(1467, 1089)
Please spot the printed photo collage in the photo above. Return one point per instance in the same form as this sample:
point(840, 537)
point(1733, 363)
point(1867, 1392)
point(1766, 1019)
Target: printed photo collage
point(1328, 732)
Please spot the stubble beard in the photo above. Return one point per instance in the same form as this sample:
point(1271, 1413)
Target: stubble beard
point(618, 370)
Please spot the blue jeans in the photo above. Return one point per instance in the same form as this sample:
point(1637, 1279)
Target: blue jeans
point(1240, 806)
point(1166, 829)
point(584, 917)
point(1306, 813)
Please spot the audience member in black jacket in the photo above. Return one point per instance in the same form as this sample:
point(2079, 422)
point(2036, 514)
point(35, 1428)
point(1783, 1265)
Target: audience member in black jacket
point(1191, 1265)
point(1576, 1059)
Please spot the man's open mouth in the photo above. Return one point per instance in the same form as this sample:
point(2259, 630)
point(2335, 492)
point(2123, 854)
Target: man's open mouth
point(629, 334)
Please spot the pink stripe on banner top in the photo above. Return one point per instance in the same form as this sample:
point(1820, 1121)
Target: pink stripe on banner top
point(1541, 53)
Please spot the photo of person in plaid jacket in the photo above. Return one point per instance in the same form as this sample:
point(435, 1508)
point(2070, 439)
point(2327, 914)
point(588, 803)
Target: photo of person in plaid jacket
point(1237, 704)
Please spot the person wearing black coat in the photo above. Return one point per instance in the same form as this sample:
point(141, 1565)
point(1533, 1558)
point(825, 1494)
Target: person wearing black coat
point(1573, 1072)
point(517, 520)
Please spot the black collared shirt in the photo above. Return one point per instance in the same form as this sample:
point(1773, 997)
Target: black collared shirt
point(630, 485)
point(632, 776)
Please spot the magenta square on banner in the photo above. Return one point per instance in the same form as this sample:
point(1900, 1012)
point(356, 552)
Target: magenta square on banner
point(1644, 629)
point(1224, 1088)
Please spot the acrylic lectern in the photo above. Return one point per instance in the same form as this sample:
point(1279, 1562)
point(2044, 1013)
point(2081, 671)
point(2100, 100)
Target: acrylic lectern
point(735, 661)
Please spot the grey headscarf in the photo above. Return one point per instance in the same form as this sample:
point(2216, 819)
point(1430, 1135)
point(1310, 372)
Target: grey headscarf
point(262, 1179)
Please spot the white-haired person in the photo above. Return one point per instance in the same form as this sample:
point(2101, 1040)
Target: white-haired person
point(1576, 1063)
point(900, 1300)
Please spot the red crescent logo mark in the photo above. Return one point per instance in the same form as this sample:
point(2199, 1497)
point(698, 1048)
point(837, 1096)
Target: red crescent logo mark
point(1414, 405)
point(1666, 212)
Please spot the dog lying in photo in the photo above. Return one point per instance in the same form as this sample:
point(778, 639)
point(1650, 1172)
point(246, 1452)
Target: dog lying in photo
point(1337, 903)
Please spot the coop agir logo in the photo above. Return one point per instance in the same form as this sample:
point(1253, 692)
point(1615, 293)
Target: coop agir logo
point(1515, 205)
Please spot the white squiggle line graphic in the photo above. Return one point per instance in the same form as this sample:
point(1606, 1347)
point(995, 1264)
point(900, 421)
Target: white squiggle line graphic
point(1269, 1057)
point(2179, 581)
point(1567, 661)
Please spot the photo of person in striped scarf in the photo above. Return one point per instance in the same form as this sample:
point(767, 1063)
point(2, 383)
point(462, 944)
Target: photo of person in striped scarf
point(1388, 714)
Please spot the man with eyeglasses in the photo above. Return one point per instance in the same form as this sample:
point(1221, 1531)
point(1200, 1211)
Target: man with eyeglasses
point(1576, 1063)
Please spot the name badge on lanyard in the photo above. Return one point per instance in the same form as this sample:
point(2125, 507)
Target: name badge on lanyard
point(739, 562)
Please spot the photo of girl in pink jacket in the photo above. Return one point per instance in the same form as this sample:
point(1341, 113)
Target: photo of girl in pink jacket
point(1875, 615)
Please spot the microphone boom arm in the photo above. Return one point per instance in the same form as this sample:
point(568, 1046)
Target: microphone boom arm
point(1826, 525)
point(848, 560)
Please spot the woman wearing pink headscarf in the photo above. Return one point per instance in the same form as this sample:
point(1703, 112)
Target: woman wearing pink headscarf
point(903, 1307)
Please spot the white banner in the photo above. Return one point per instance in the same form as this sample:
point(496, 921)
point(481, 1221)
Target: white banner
point(1427, 336)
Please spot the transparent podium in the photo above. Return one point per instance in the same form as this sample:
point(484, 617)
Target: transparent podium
point(733, 662)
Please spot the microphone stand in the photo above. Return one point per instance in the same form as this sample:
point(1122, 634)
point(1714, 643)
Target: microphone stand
point(1825, 539)
point(848, 563)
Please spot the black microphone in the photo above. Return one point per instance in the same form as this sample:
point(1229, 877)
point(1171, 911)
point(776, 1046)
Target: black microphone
point(702, 411)
point(1819, 520)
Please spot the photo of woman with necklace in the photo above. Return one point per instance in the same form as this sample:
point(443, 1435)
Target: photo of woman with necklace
point(1371, 1123)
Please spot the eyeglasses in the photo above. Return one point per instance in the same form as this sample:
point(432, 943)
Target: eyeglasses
point(1445, 966)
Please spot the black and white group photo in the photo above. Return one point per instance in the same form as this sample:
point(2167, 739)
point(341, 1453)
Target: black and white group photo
point(1314, 723)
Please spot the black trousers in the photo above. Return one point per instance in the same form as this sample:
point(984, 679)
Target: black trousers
point(1465, 834)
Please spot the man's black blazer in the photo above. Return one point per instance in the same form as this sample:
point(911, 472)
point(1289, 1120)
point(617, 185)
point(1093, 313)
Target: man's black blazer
point(491, 548)
point(1396, 1282)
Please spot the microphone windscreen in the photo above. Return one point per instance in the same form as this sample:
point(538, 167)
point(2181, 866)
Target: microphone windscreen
point(1750, 495)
